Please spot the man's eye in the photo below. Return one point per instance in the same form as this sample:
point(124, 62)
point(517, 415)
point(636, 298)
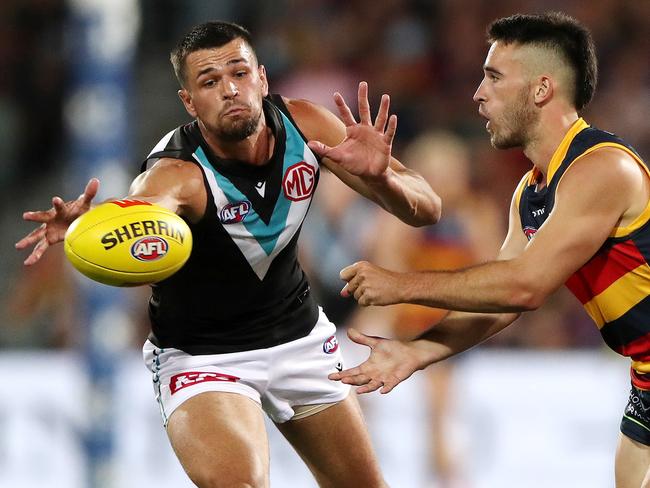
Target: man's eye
point(209, 83)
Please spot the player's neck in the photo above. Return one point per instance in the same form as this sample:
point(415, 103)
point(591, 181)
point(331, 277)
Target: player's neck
point(547, 136)
point(256, 149)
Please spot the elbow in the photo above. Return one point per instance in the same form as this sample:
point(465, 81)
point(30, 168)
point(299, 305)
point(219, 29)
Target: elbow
point(526, 298)
point(430, 216)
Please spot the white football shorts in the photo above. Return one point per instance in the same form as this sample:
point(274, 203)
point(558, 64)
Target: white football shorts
point(278, 378)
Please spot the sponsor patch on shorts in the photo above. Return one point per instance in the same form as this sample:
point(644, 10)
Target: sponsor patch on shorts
point(183, 380)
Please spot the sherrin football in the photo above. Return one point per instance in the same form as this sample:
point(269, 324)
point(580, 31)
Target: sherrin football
point(128, 243)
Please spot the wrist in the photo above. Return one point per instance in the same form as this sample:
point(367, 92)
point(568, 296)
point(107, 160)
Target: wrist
point(426, 352)
point(378, 179)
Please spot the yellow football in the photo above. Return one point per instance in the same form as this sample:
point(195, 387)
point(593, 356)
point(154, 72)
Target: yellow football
point(128, 243)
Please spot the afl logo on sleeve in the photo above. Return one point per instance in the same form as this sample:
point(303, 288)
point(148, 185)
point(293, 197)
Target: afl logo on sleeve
point(299, 181)
point(233, 213)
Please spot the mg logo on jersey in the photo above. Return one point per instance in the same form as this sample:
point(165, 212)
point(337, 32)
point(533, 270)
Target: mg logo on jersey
point(299, 181)
point(183, 380)
point(234, 213)
point(149, 248)
point(530, 232)
point(331, 345)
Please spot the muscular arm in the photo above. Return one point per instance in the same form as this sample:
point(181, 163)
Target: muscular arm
point(400, 191)
point(392, 361)
point(459, 331)
point(599, 190)
point(174, 184)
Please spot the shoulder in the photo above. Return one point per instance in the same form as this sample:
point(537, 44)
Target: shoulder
point(315, 121)
point(174, 173)
point(179, 167)
point(610, 164)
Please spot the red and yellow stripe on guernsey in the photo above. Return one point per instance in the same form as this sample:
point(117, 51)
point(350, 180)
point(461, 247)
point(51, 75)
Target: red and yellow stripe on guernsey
point(614, 288)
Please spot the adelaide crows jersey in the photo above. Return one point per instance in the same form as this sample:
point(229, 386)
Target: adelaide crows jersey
point(614, 285)
point(242, 287)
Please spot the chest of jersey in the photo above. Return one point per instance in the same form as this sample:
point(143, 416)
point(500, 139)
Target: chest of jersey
point(261, 211)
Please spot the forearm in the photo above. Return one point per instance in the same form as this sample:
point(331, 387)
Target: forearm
point(494, 287)
point(457, 332)
point(406, 195)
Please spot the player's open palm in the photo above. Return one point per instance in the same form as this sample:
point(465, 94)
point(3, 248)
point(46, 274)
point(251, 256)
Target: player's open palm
point(390, 363)
point(366, 149)
point(55, 221)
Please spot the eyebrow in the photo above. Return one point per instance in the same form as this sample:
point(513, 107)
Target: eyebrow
point(228, 63)
point(489, 69)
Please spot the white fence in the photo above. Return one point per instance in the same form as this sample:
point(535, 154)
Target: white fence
point(517, 419)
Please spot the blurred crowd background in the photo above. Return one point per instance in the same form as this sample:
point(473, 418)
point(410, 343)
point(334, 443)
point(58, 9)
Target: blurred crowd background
point(427, 54)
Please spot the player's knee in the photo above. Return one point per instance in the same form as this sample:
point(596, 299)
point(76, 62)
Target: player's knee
point(234, 480)
point(252, 475)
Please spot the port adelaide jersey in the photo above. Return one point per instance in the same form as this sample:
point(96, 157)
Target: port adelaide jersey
point(242, 287)
point(614, 285)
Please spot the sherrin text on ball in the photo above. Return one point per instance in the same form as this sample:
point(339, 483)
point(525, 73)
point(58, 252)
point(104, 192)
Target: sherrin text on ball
point(128, 243)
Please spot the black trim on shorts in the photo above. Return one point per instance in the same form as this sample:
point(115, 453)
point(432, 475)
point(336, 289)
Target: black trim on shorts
point(636, 418)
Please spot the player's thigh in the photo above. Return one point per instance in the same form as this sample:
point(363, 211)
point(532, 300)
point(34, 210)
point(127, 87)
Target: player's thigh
point(335, 445)
point(632, 463)
point(220, 440)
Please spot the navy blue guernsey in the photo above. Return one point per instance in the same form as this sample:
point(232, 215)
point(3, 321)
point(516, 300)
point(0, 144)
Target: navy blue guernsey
point(614, 285)
point(242, 287)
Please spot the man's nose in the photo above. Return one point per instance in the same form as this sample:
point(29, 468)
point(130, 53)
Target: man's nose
point(479, 95)
point(230, 89)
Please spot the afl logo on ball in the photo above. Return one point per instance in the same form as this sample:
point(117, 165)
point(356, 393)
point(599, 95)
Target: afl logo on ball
point(234, 213)
point(149, 248)
point(331, 345)
point(299, 181)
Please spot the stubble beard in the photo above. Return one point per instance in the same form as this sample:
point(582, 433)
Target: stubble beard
point(518, 119)
point(238, 130)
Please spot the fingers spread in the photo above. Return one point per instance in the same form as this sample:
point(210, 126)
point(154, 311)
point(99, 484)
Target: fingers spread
point(382, 115)
point(90, 191)
point(363, 339)
point(358, 380)
point(345, 373)
point(37, 253)
point(390, 130)
point(39, 216)
point(370, 386)
point(31, 238)
point(344, 110)
point(318, 147)
point(364, 105)
point(58, 204)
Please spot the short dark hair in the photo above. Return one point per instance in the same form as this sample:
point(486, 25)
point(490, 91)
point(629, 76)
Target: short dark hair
point(205, 36)
point(558, 31)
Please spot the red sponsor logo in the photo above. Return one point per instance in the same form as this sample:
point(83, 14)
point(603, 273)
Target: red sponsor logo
point(129, 203)
point(183, 380)
point(331, 345)
point(299, 181)
point(530, 232)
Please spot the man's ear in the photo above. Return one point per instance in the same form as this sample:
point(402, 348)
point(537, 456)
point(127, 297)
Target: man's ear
point(543, 90)
point(186, 98)
point(265, 82)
